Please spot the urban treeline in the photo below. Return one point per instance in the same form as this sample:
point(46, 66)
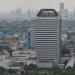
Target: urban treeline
point(32, 69)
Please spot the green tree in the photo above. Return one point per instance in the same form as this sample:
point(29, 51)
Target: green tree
point(2, 71)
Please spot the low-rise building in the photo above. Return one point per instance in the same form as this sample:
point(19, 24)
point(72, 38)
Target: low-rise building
point(4, 55)
point(27, 56)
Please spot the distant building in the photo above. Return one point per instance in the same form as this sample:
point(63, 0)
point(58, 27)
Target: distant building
point(30, 38)
point(18, 11)
point(65, 13)
point(23, 40)
point(4, 55)
point(46, 37)
point(72, 36)
point(2, 35)
point(29, 13)
point(72, 49)
point(61, 9)
point(64, 37)
point(74, 12)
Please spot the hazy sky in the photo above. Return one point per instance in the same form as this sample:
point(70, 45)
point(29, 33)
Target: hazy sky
point(14, 4)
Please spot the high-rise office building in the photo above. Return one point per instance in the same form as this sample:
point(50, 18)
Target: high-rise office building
point(61, 9)
point(46, 37)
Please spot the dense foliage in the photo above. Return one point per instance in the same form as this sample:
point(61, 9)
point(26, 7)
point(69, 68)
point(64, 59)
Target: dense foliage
point(14, 26)
point(33, 70)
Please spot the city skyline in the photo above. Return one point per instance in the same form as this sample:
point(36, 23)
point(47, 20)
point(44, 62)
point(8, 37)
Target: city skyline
point(6, 5)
